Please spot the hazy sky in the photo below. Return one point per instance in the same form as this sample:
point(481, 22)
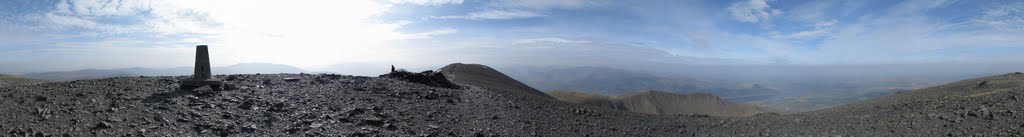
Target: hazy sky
point(46, 35)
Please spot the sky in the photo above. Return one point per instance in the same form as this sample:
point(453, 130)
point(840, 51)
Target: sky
point(56, 35)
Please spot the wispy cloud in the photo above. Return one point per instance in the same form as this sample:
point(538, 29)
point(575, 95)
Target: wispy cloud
point(916, 7)
point(429, 34)
point(551, 40)
point(1009, 17)
point(812, 11)
point(241, 31)
point(546, 4)
point(521, 9)
point(427, 2)
point(324, 32)
point(820, 29)
point(752, 11)
point(496, 15)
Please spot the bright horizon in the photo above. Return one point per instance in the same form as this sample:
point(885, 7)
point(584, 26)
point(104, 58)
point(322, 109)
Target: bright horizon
point(50, 35)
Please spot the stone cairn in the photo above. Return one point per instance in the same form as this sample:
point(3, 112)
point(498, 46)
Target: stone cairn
point(201, 75)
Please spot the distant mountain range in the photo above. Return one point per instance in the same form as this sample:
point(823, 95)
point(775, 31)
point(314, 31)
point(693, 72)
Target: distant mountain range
point(243, 68)
point(658, 102)
point(650, 102)
point(613, 82)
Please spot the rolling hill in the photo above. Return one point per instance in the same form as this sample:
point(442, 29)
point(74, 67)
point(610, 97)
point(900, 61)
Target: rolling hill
point(11, 80)
point(665, 103)
point(614, 82)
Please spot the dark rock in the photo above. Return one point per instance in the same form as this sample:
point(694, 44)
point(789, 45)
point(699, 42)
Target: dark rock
point(697, 115)
point(373, 121)
point(103, 125)
point(230, 87)
point(428, 77)
point(983, 84)
point(16, 131)
point(249, 105)
point(356, 111)
point(291, 79)
point(280, 107)
point(331, 76)
point(41, 98)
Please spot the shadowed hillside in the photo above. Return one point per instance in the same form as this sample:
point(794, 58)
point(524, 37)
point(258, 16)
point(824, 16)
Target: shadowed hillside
point(486, 77)
point(657, 102)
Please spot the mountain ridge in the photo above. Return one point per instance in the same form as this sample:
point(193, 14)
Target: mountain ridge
point(665, 103)
point(614, 82)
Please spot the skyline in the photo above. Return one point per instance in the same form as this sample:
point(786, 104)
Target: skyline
point(315, 35)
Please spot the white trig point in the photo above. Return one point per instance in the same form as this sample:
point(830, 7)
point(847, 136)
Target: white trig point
point(201, 75)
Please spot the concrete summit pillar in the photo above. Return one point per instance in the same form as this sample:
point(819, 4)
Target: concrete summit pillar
point(202, 67)
point(201, 75)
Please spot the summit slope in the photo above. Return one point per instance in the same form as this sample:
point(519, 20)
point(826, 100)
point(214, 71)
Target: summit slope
point(486, 77)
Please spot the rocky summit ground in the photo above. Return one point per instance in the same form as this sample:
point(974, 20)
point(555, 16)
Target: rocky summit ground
point(299, 105)
point(337, 105)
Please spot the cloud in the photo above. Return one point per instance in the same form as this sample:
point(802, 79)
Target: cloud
point(752, 11)
point(100, 7)
point(699, 39)
point(916, 7)
point(427, 2)
point(496, 15)
point(820, 29)
point(902, 40)
point(812, 11)
point(522, 9)
point(551, 40)
point(429, 34)
point(299, 33)
point(547, 4)
point(546, 51)
point(1008, 17)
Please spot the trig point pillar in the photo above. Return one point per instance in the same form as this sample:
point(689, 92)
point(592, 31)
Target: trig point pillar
point(202, 75)
point(202, 67)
